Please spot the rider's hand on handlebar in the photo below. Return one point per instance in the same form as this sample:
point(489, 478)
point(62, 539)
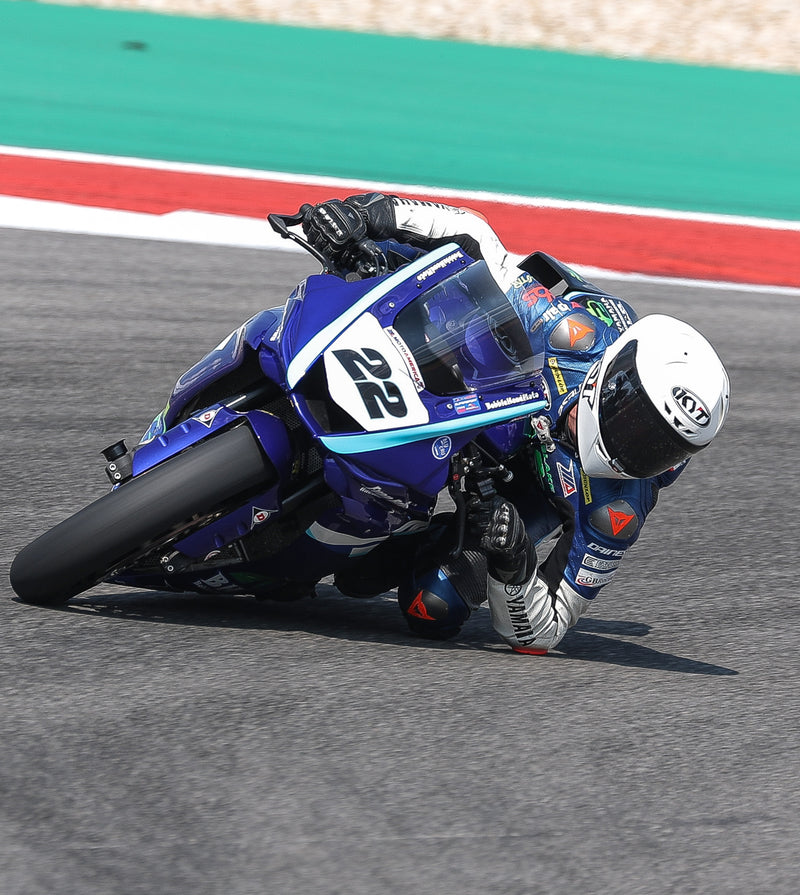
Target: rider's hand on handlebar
point(333, 227)
point(504, 540)
point(365, 258)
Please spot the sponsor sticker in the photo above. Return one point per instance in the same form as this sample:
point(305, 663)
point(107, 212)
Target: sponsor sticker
point(586, 488)
point(259, 516)
point(566, 475)
point(605, 551)
point(441, 447)
point(599, 564)
point(534, 293)
point(558, 376)
point(597, 309)
point(691, 406)
point(207, 417)
point(408, 357)
point(590, 578)
point(610, 311)
point(556, 310)
point(467, 404)
point(435, 268)
point(512, 399)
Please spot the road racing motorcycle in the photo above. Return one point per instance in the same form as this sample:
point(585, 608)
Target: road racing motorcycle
point(314, 432)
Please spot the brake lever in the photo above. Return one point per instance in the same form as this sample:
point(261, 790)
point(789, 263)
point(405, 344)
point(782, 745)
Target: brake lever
point(280, 223)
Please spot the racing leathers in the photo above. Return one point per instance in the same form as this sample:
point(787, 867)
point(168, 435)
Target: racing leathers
point(581, 526)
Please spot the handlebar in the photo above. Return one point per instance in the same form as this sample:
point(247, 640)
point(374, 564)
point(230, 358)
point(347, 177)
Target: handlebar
point(363, 260)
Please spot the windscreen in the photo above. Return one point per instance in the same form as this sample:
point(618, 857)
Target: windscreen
point(464, 335)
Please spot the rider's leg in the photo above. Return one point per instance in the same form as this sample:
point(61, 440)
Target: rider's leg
point(383, 568)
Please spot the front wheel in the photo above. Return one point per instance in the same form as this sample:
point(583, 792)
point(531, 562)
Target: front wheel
point(150, 509)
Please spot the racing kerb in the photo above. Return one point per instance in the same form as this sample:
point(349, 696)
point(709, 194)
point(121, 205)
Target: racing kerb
point(674, 161)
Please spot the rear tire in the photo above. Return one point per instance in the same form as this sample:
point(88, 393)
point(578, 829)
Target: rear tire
point(148, 510)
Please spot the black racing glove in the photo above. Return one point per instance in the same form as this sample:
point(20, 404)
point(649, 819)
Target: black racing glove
point(510, 556)
point(377, 211)
point(333, 227)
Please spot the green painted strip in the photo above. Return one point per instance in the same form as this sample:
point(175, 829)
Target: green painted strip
point(396, 109)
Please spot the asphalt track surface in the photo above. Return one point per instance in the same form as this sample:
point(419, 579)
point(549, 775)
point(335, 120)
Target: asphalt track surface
point(203, 744)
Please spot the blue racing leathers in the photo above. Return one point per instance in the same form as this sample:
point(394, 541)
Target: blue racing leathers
point(582, 526)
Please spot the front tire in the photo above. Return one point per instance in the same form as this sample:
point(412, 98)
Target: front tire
point(150, 509)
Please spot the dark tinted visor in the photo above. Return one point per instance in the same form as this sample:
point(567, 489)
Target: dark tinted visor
point(635, 435)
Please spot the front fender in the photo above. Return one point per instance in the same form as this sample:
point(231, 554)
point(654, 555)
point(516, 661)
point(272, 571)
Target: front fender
point(268, 429)
point(273, 439)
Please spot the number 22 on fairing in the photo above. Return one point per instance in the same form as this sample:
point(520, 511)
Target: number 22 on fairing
point(368, 378)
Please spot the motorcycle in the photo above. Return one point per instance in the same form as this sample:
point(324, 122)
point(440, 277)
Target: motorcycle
point(314, 433)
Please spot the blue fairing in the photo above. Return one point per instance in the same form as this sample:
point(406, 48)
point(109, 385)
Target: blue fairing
point(378, 396)
point(316, 304)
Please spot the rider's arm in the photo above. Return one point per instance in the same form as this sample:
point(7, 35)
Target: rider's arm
point(428, 225)
point(600, 520)
point(528, 613)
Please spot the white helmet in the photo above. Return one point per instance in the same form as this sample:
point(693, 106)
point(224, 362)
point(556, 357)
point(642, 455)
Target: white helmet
point(656, 396)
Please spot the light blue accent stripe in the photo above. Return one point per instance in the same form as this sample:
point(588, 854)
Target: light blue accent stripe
point(319, 342)
point(376, 441)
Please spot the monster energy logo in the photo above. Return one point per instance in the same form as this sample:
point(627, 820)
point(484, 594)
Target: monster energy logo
point(543, 468)
point(598, 309)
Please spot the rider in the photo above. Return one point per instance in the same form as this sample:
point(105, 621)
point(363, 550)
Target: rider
point(630, 401)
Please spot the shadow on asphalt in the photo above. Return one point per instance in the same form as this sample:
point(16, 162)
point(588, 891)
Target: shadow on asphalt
point(584, 644)
point(375, 620)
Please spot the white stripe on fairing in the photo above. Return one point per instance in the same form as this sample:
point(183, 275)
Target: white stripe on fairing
point(204, 228)
point(379, 186)
point(340, 539)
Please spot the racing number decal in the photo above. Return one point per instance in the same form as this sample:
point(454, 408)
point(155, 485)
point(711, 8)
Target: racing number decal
point(366, 366)
point(370, 380)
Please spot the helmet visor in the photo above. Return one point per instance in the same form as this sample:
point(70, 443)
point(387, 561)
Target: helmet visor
point(636, 437)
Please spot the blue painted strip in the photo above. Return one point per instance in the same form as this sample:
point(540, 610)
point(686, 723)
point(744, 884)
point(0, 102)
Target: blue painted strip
point(377, 441)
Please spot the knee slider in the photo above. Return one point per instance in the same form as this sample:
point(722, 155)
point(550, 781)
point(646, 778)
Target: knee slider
point(432, 606)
